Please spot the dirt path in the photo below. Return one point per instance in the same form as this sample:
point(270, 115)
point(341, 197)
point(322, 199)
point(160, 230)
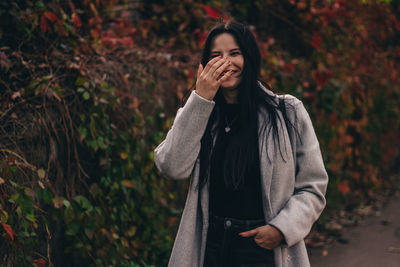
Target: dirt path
point(373, 243)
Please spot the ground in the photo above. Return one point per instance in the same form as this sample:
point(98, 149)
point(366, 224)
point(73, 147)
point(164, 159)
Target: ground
point(375, 242)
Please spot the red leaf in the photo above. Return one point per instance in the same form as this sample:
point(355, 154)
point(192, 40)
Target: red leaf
point(190, 75)
point(127, 41)
point(389, 153)
point(172, 220)
point(8, 230)
point(334, 119)
point(343, 187)
point(309, 94)
point(225, 17)
point(212, 13)
point(200, 35)
point(321, 77)
point(50, 16)
point(76, 20)
point(289, 67)
point(39, 262)
point(43, 24)
point(316, 41)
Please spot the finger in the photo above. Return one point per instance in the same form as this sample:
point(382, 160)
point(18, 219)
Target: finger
point(249, 233)
point(216, 74)
point(225, 77)
point(217, 65)
point(199, 70)
point(212, 61)
point(213, 64)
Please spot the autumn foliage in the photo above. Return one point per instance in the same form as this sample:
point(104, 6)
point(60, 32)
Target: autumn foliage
point(89, 88)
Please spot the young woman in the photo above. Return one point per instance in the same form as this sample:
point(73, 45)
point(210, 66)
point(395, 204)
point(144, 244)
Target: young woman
point(258, 180)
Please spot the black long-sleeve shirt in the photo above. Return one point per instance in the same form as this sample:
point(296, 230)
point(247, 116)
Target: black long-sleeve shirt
point(246, 201)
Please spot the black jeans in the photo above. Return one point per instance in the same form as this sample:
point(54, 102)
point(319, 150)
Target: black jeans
point(225, 247)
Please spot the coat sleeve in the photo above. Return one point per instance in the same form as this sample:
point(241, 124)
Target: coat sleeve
point(304, 207)
point(176, 155)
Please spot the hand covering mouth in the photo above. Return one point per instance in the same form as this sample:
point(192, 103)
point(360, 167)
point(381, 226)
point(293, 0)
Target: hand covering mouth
point(223, 73)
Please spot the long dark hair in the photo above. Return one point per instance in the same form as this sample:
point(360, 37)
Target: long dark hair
point(243, 148)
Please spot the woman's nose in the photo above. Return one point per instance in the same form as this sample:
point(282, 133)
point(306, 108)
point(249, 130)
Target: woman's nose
point(226, 57)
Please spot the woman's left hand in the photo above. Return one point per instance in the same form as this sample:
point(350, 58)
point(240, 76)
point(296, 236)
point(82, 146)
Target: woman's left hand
point(266, 236)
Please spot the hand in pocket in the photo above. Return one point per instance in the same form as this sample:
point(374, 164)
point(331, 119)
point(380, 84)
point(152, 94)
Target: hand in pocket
point(266, 236)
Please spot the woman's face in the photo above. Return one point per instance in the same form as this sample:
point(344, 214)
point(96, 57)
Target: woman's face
point(224, 45)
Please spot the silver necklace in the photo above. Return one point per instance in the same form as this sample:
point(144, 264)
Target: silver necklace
point(228, 125)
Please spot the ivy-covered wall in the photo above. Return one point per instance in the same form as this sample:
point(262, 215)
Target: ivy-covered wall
point(89, 88)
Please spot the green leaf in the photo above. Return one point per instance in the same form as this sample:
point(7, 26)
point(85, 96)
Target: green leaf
point(47, 77)
point(83, 132)
point(95, 190)
point(66, 203)
point(86, 95)
point(31, 217)
point(73, 228)
point(131, 231)
point(3, 216)
point(45, 195)
point(13, 183)
point(80, 81)
point(100, 142)
point(83, 202)
point(33, 84)
point(68, 26)
point(89, 233)
point(40, 5)
point(13, 198)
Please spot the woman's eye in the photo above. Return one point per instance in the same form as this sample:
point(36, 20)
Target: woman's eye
point(235, 53)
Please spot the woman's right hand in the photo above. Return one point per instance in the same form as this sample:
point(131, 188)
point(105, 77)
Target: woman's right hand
point(209, 79)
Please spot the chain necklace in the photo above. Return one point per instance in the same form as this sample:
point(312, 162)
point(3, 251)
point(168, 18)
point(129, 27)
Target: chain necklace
point(228, 125)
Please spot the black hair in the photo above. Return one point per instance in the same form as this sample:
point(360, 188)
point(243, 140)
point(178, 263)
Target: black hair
point(241, 152)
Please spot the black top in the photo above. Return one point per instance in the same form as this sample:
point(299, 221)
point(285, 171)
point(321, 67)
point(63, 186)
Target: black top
point(246, 201)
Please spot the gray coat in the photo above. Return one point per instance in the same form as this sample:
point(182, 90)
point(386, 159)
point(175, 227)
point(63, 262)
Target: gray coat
point(293, 187)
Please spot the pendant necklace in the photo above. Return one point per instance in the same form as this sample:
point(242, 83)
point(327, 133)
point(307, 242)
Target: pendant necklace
point(228, 125)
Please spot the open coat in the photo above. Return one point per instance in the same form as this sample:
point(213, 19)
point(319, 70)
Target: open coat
point(293, 186)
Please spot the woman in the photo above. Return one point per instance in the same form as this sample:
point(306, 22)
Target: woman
point(257, 176)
